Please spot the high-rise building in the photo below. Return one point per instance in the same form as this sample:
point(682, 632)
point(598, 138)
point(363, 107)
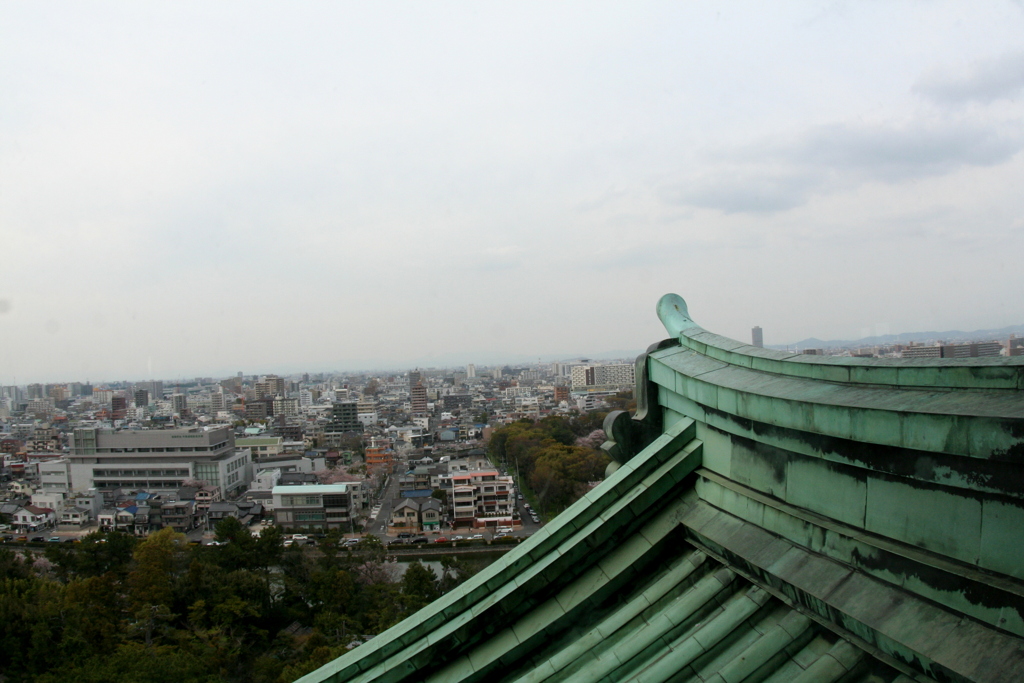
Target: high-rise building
point(141, 398)
point(756, 338)
point(613, 375)
point(561, 369)
point(155, 389)
point(344, 418)
point(415, 377)
point(287, 407)
point(232, 384)
point(275, 386)
point(59, 392)
point(179, 403)
point(258, 408)
point(470, 371)
point(118, 407)
point(418, 394)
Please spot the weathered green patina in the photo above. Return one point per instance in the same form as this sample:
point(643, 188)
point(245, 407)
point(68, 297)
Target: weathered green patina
point(767, 517)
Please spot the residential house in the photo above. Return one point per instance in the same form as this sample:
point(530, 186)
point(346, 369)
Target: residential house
point(31, 518)
point(124, 519)
point(244, 512)
point(106, 519)
point(75, 516)
point(416, 514)
point(180, 515)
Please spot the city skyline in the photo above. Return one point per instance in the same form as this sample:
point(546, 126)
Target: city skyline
point(191, 188)
point(486, 361)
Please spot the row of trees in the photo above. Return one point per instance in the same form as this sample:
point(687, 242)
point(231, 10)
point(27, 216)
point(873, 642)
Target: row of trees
point(115, 608)
point(556, 457)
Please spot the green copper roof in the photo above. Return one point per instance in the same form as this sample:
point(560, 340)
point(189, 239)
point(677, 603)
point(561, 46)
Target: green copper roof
point(766, 518)
point(611, 589)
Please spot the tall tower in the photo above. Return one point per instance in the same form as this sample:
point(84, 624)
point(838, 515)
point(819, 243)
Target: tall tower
point(418, 396)
point(470, 371)
point(757, 339)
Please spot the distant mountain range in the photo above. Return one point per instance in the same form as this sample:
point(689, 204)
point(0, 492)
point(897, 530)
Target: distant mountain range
point(949, 336)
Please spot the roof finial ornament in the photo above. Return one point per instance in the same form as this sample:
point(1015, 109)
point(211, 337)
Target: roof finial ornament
point(674, 315)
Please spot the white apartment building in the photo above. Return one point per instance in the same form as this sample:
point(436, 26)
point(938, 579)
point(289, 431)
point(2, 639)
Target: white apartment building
point(481, 498)
point(320, 506)
point(586, 377)
point(55, 476)
point(289, 407)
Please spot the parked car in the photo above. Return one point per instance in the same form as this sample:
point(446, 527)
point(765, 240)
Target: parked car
point(419, 539)
point(350, 541)
point(458, 538)
point(405, 534)
point(39, 539)
point(22, 539)
point(399, 541)
point(53, 539)
point(440, 539)
point(476, 537)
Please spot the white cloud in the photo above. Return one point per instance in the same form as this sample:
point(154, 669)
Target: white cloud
point(982, 81)
point(778, 174)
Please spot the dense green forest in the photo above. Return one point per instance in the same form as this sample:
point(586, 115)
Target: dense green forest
point(556, 457)
point(116, 609)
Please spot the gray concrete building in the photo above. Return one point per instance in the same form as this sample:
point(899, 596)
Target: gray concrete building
point(158, 460)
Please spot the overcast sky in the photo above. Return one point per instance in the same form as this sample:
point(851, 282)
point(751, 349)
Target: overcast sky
point(195, 189)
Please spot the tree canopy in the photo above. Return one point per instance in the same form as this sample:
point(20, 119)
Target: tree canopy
point(117, 608)
point(555, 456)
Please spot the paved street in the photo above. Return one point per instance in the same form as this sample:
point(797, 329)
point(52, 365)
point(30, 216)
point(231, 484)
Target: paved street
point(387, 502)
